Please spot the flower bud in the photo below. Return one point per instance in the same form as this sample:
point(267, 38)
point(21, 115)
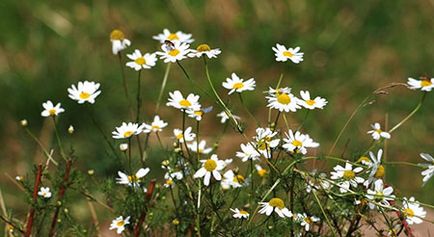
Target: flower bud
point(71, 129)
point(24, 123)
point(123, 147)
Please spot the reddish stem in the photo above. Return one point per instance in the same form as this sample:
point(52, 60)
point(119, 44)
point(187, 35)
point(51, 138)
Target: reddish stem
point(407, 228)
point(35, 197)
point(148, 197)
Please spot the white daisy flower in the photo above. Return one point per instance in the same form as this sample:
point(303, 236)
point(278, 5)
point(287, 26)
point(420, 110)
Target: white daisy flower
point(307, 221)
point(346, 176)
point(187, 136)
point(173, 51)
point(425, 84)
point(133, 180)
point(230, 179)
point(126, 130)
point(412, 211)
point(84, 92)
point(196, 114)
point(277, 205)
point(119, 42)
point(204, 49)
point(119, 224)
point(261, 171)
point(236, 84)
point(265, 141)
point(156, 126)
point(319, 183)
point(170, 176)
point(429, 172)
point(282, 100)
point(140, 61)
point(44, 192)
point(380, 194)
point(298, 142)
point(377, 169)
point(308, 103)
point(240, 213)
point(177, 100)
point(283, 54)
point(174, 37)
point(201, 148)
point(248, 152)
point(210, 167)
point(377, 133)
point(224, 117)
point(50, 109)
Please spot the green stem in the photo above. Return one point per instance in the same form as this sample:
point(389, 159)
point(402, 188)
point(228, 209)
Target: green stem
point(62, 153)
point(163, 86)
point(139, 99)
point(323, 212)
point(411, 114)
point(124, 83)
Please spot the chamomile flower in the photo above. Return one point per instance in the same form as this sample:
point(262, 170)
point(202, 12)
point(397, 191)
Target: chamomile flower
point(236, 84)
point(230, 179)
point(156, 126)
point(177, 100)
point(203, 50)
point(126, 130)
point(266, 140)
point(425, 84)
point(308, 103)
point(119, 224)
point(261, 171)
point(317, 183)
point(170, 176)
point(239, 213)
point(377, 169)
point(133, 180)
point(377, 133)
point(248, 152)
point(173, 51)
point(277, 205)
point(210, 167)
point(380, 195)
point(199, 148)
point(51, 110)
point(224, 117)
point(145, 61)
point(346, 176)
point(84, 92)
point(283, 54)
point(412, 211)
point(186, 136)
point(307, 221)
point(282, 100)
point(178, 36)
point(429, 172)
point(44, 192)
point(119, 42)
point(298, 142)
point(196, 114)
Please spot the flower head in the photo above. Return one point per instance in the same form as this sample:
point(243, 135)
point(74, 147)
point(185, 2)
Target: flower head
point(51, 110)
point(307, 221)
point(178, 36)
point(119, 42)
point(266, 140)
point(177, 100)
point(187, 135)
point(282, 100)
point(283, 54)
point(308, 103)
point(173, 51)
point(230, 179)
point(204, 50)
point(156, 126)
point(199, 148)
point(145, 61)
point(126, 130)
point(380, 195)
point(236, 84)
point(84, 92)
point(261, 171)
point(44, 192)
point(248, 152)
point(412, 211)
point(170, 176)
point(377, 133)
point(377, 169)
point(210, 167)
point(224, 117)
point(346, 176)
point(277, 205)
point(239, 213)
point(429, 172)
point(119, 224)
point(425, 84)
point(298, 142)
point(133, 180)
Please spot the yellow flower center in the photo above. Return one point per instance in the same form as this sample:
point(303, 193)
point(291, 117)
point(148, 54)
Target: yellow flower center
point(310, 102)
point(198, 113)
point(349, 174)
point(297, 143)
point(262, 172)
point(203, 48)
point(120, 223)
point(169, 182)
point(173, 36)
point(363, 159)
point(409, 212)
point(378, 131)
point(128, 133)
point(210, 165)
point(173, 52)
point(424, 83)
point(52, 112)
point(242, 212)
point(133, 179)
point(308, 220)
point(380, 172)
point(117, 35)
point(238, 179)
point(84, 95)
point(140, 60)
point(184, 103)
point(283, 98)
point(276, 202)
point(155, 127)
point(238, 85)
point(179, 136)
point(288, 54)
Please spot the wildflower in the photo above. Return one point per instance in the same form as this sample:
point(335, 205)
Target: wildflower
point(140, 61)
point(127, 130)
point(186, 136)
point(240, 213)
point(283, 54)
point(211, 166)
point(307, 221)
point(173, 51)
point(174, 37)
point(317, 183)
point(377, 133)
point(44, 192)
point(156, 126)
point(51, 110)
point(84, 92)
point(261, 171)
point(282, 100)
point(119, 42)
point(425, 84)
point(230, 179)
point(204, 49)
point(412, 211)
point(132, 180)
point(169, 176)
point(346, 176)
point(429, 172)
point(380, 194)
point(19, 178)
point(224, 117)
point(265, 141)
point(298, 142)
point(197, 113)
point(248, 152)
point(308, 103)
point(277, 205)
point(201, 148)
point(123, 146)
point(236, 84)
point(377, 169)
point(24, 122)
point(177, 100)
point(71, 129)
point(119, 224)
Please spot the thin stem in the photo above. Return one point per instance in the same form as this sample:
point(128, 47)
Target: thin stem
point(247, 109)
point(409, 115)
point(49, 157)
point(323, 212)
point(129, 155)
point(163, 86)
point(59, 143)
point(124, 83)
point(35, 196)
point(139, 99)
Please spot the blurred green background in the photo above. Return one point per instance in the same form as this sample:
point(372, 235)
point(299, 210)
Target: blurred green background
point(351, 48)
